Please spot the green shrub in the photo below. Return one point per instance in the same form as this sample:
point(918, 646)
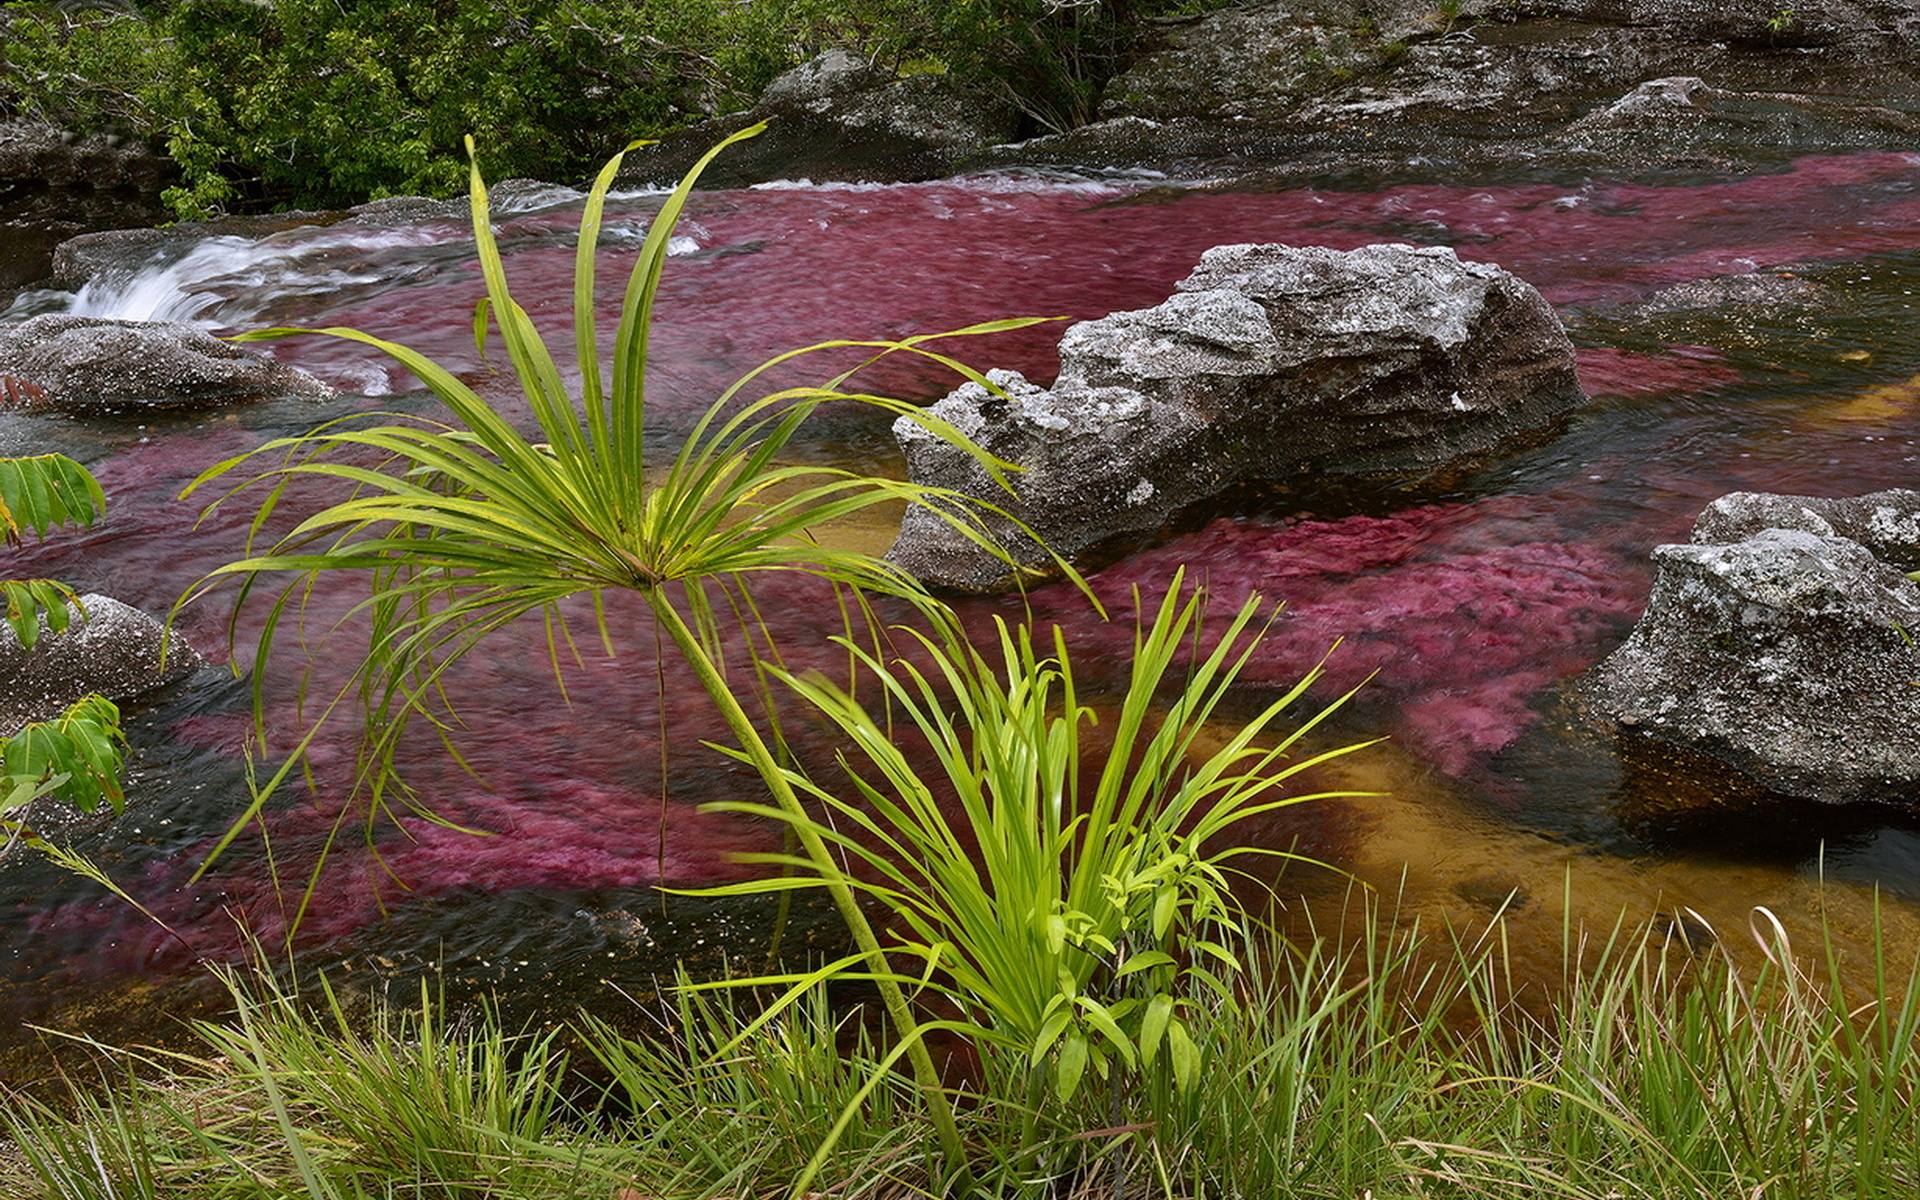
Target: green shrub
point(322, 104)
point(326, 103)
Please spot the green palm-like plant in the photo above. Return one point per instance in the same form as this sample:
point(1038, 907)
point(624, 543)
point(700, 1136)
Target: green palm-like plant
point(470, 525)
point(1075, 903)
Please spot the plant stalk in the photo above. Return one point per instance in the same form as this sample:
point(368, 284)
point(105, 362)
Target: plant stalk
point(865, 940)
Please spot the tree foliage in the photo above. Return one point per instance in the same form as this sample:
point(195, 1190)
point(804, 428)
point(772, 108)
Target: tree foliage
point(317, 103)
point(325, 103)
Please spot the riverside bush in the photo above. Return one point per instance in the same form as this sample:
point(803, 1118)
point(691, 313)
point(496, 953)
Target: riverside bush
point(313, 103)
point(318, 104)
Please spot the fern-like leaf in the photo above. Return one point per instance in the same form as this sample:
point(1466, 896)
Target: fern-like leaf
point(45, 490)
point(77, 755)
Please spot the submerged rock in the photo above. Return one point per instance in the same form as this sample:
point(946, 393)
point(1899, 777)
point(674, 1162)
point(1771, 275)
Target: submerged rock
point(1270, 362)
point(1781, 642)
point(91, 364)
point(117, 651)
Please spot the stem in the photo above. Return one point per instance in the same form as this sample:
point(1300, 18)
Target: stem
point(864, 939)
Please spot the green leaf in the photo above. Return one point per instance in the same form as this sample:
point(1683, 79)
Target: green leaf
point(46, 490)
point(78, 755)
point(1097, 1015)
point(1058, 1017)
point(1072, 1064)
point(1184, 1055)
point(1165, 907)
point(1146, 960)
point(29, 600)
point(1153, 1027)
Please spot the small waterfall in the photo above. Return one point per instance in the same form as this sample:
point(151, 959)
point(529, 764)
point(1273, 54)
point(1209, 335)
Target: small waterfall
point(169, 286)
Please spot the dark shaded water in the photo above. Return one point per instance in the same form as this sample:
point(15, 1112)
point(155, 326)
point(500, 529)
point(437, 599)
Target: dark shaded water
point(1461, 603)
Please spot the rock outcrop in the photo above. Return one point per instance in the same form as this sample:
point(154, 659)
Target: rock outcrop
point(1270, 362)
point(90, 364)
point(54, 185)
point(116, 651)
point(1356, 89)
point(838, 118)
point(1781, 642)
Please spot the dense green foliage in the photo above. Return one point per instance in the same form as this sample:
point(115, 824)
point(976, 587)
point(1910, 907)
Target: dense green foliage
point(325, 103)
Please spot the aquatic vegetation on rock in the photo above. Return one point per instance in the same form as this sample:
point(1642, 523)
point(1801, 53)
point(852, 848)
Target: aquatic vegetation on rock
point(1433, 606)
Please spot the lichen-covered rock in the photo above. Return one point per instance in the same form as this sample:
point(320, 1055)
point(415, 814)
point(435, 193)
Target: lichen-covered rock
point(91, 364)
point(1781, 643)
point(1354, 90)
point(1270, 362)
point(117, 651)
point(1886, 523)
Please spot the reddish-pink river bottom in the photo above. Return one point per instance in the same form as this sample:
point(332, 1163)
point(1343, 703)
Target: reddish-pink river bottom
point(1455, 612)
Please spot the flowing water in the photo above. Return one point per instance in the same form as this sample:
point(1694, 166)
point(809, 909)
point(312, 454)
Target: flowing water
point(1461, 605)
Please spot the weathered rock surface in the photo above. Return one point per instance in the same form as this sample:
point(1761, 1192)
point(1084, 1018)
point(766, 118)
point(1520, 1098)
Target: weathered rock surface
point(115, 652)
point(1353, 90)
point(1886, 523)
point(1780, 642)
point(1270, 362)
point(90, 364)
point(54, 185)
point(1346, 89)
point(838, 118)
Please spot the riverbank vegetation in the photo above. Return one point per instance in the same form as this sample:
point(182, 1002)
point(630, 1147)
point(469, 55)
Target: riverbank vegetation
point(315, 104)
point(1393, 1062)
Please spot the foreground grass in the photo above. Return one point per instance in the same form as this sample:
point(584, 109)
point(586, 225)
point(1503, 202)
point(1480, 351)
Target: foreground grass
point(1411, 1065)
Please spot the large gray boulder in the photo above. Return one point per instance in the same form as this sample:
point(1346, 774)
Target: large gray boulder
point(1270, 362)
point(116, 651)
point(1781, 642)
point(91, 364)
